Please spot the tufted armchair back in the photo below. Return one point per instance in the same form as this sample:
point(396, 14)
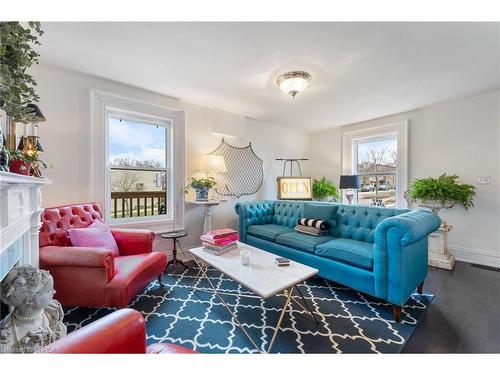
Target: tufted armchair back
point(57, 220)
point(287, 213)
point(359, 222)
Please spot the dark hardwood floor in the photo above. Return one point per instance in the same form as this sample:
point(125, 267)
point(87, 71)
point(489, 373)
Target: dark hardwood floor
point(465, 315)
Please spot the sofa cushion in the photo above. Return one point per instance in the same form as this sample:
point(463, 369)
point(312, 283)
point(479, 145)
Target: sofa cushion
point(268, 231)
point(323, 211)
point(359, 222)
point(287, 213)
point(357, 253)
point(302, 241)
point(133, 273)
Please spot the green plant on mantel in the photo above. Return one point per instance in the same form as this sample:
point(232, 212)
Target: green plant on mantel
point(28, 158)
point(325, 188)
point(17, 87)
point(444, 189)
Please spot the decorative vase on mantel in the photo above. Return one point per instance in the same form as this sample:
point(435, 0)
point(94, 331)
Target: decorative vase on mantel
point(439, 256)
point(4, 156)
point(20, 167)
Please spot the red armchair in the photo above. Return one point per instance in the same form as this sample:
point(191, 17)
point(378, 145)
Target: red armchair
point(92, 277)
point(123, 331)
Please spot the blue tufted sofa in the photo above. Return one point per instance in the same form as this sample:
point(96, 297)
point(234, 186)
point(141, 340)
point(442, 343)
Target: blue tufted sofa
point(379, 251)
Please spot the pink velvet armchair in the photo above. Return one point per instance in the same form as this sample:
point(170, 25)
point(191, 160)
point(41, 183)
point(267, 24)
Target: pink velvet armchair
point(94, 277)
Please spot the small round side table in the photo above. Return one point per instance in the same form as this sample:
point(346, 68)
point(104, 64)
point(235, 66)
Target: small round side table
point(174, 236)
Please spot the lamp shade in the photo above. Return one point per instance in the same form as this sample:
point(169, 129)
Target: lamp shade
point(33, 108)
point(350, 182)
point(20, 146)
point(214, 164)
point(39, 147)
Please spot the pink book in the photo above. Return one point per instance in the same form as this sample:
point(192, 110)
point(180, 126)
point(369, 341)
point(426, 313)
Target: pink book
point(221, 241)
point(217, 233)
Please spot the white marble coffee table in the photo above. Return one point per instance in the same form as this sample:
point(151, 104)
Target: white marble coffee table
point(263, 277)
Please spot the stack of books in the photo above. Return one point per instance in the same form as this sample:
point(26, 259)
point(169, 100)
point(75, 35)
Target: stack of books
point(220, 241)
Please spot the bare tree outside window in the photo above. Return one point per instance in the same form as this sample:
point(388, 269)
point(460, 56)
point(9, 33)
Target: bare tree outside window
point(126, 181)
point(137, 164)
point(128, 162)
point(376, 164)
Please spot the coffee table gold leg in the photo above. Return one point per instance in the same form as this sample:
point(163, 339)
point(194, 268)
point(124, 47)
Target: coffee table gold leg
point(288, 293)
point(227, 307)
point(306, 308)
point(196, 277)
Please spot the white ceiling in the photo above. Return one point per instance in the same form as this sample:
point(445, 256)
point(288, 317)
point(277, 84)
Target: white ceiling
point(359, 71)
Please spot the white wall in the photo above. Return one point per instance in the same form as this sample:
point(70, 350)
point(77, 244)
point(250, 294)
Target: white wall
point(65, 102)
point(460, 136)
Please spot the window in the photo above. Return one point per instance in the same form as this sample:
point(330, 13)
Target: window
point(138, 167)
point(375, 161)
point(137, 162)
point(379, 156)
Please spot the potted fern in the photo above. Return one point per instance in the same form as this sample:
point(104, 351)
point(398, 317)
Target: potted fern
point(444, 191)
point(325, 190)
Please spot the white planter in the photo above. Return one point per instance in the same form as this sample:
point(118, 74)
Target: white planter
point(434, 205)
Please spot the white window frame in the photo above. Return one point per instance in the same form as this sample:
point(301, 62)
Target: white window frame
point(104, 105)
point(152, 120)
point(350, 138)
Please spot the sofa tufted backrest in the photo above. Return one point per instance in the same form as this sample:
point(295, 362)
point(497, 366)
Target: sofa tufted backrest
point(287, 213)
point(57, 220)
point(359, 222)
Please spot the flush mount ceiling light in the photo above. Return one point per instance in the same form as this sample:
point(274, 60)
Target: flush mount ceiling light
point(293, 82)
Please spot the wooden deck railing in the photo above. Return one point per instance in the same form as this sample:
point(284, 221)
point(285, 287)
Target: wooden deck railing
point(137, 203)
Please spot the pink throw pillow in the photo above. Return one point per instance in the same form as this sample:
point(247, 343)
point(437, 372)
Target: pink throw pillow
point(96, 234)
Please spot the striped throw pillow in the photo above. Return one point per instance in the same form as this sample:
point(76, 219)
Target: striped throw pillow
point(315, 223)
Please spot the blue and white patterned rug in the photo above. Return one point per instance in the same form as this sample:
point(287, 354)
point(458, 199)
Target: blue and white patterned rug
point(350, 322)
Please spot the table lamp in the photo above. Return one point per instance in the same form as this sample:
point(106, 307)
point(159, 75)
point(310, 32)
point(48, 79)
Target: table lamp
point(214, 164)
point(350, 182)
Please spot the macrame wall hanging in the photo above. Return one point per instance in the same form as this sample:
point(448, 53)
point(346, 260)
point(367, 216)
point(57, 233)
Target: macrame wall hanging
point(245, 172)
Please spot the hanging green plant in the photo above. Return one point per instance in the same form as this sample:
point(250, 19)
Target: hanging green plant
point(17, 87)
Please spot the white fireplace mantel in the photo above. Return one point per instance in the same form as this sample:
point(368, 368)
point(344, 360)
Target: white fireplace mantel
point(20, 209)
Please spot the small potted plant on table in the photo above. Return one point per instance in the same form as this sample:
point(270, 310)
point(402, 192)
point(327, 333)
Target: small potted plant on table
point(325, 190)
point(201, 186)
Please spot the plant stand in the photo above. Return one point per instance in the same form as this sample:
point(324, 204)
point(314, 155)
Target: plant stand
point(439, 256)
point(207, 213)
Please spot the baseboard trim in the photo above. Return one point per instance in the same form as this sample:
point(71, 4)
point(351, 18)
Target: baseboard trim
point(487, 258)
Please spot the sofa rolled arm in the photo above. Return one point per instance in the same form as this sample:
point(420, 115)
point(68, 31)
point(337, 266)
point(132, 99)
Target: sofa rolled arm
point(123, 331)
point(253, 213)
point(133, 241)
point(413, 226)
point(76, 256)
point(400, 254)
